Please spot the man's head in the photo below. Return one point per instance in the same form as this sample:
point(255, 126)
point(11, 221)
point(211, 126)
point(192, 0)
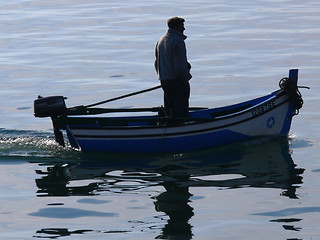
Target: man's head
point(176, 23)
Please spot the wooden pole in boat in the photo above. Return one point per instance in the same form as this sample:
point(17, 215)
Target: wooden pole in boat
point(124, 96)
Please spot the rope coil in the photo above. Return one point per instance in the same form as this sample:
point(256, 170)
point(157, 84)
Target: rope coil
point(290, 87)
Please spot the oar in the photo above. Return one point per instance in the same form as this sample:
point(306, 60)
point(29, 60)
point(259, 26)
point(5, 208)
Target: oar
point(124, 96)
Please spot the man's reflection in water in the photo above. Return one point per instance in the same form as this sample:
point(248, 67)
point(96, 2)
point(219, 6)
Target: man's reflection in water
point(174, 203)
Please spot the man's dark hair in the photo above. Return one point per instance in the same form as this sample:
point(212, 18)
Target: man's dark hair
point(175, 21)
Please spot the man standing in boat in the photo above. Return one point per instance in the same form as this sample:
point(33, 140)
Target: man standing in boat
point(173, 69)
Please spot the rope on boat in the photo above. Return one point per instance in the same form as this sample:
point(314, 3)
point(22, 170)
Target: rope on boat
point(290, 87)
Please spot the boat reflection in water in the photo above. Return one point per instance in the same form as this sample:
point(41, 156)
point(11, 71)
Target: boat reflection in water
point(260, 165)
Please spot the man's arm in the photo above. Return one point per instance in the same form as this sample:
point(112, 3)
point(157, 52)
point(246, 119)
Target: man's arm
point(181, 63)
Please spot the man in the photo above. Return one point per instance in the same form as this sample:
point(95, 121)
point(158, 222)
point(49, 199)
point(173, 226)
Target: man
point(173, 69)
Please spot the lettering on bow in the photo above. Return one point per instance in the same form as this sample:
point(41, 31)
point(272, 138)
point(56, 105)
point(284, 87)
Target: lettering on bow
point(263, 108)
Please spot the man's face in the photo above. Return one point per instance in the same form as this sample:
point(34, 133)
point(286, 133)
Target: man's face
point(180, 27)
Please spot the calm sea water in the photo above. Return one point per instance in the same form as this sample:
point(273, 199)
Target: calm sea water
point(93, 50)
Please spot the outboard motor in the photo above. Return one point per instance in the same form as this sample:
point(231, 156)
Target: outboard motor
point(51, 107)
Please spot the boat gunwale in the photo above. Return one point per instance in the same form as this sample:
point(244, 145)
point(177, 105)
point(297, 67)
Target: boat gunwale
point(191, 122)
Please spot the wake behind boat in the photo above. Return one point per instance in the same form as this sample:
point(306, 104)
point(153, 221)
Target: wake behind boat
point(266, 116)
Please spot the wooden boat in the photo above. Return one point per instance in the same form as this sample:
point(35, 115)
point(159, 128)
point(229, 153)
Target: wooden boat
point(266, 116)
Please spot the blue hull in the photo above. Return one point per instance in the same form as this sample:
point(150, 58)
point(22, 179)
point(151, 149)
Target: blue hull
point(255, 121)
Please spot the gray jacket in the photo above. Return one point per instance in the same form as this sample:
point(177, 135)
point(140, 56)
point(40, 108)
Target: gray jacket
point(171, 57)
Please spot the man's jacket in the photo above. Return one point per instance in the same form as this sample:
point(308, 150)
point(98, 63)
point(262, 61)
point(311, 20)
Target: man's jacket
point(171, 57)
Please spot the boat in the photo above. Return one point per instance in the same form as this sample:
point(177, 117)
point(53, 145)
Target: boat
point(91, 129)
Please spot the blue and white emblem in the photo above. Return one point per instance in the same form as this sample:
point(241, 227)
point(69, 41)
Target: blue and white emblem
point(270, 122)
